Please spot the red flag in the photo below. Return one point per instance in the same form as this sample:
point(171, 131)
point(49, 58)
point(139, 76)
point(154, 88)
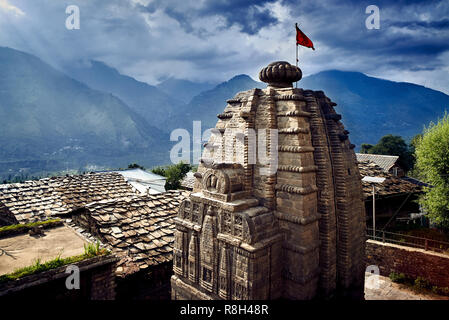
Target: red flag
point(302, 39)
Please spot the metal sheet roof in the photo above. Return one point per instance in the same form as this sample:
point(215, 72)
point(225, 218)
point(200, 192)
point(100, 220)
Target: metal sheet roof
point(144, 181)
point(385, 162)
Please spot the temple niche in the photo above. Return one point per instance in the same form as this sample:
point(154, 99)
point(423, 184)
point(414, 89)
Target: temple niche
point(277, 208)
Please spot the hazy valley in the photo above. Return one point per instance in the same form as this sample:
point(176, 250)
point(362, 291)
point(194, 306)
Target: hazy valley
point(91, 117)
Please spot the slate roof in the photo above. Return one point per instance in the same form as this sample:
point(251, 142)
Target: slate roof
point(139, 229)
point(416, 181)
point(385, 162)
point(188, 181)
point(50, 197)
point(392, 184)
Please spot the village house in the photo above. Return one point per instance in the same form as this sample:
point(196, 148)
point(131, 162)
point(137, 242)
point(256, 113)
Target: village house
point(395, 197)
point(133, 224)
point(388, 164)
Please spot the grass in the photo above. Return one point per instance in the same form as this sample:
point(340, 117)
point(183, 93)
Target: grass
point(90, 250)
point(19, 228)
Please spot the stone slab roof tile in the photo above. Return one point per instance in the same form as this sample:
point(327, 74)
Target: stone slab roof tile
point(392, 184)
point(188, 181)
point(50, 197)
point(147, 235)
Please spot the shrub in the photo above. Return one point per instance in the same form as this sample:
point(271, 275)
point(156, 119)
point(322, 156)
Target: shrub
point(398, 277)
point(441, 291)
point(422, 284)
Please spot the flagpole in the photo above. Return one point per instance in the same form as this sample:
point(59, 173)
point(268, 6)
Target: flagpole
point(296, 62)
point(296, 41)
point(302, 40)
point(297, 55)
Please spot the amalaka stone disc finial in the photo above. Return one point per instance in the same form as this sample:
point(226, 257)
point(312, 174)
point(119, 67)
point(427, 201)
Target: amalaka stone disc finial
point(280, 74)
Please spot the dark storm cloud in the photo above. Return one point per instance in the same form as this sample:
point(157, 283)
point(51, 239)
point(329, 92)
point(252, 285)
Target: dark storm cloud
point(249, 16)
point(214, 40)
point(442, 24)
point(341, 27)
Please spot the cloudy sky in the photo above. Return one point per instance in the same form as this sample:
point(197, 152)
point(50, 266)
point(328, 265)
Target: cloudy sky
point(215, 40)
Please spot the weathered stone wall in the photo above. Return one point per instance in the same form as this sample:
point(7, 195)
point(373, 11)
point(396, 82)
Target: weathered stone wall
point(411, 261)
point(348, 197)
point(102, 282)
point(97, 282)
point(145, 284)
point(297, 196)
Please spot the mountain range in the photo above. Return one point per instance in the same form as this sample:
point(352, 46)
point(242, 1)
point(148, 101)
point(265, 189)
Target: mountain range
point(184, 90)
point(47, 116)
point(373, 107)
point(88, 115)
point(154, 105)
point(205, 106)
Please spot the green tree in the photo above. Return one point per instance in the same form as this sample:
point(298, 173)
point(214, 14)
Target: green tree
point(365, 147)
point(414, 172)
point(159, 170)
point(394, 146)
point(174, 174)
point(432, 161)
point(414, 142)
point(135, 166)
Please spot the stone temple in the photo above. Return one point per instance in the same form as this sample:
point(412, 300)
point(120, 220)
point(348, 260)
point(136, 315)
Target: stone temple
point(277, 208)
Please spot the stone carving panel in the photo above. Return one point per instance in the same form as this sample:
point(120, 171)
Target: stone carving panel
point(216, 181)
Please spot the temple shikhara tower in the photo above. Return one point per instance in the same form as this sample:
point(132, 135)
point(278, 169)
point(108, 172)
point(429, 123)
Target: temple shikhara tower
point(277, 208)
